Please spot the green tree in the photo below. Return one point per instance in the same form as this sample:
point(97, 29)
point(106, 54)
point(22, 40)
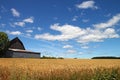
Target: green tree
point(3, 43)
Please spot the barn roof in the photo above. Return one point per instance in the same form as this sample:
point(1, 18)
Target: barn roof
point(23, 51)
point(16, 43)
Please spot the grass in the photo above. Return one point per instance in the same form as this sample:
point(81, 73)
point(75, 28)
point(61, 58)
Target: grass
point(59, 69)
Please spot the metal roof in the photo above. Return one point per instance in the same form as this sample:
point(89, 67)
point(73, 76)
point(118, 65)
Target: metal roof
point(23, 51)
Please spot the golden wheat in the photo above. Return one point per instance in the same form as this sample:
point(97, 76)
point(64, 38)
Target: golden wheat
point(53, 69)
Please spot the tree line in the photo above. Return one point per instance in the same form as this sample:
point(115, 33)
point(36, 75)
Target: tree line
point(49, 57)
point(106, 57)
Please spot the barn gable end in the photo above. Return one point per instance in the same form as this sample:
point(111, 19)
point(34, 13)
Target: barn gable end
point(16, 43)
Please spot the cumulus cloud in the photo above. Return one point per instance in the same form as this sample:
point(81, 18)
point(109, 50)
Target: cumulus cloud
point(21, 24)
point(85, 20)
point(29, 35)
point(80, 53)
point(86, 5)
point(67, 46)
point(71, 51)
point(94, 35)
point(84, 47)
point(110, 23)
point(111, 33)
point(14, 32)
point(75, 18)
point(81, 35)
point(29, 20)
point(67, 32)
point(29, 31)
point(15, 12)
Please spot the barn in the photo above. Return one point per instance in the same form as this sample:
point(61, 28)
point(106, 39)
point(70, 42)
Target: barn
point(17, 50)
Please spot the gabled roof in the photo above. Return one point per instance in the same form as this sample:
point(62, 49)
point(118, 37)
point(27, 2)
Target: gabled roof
point(16, 43)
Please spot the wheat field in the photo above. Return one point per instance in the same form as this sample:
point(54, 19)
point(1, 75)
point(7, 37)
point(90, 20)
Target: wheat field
point(59, 69)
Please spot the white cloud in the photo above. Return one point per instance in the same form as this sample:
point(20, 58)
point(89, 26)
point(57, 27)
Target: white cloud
point(67, 32)
point(67, 46)
point(14, 32)
point(48, 36)
point(111, 33)
point(86, 5)
point(71, 51)
point(97, 35)
point(29, 31)
point(15, 12)
point(85, 20)
point(29, 20)
point(84, 47)
point(83, 36)
point(110, 23)
point(75, 18)
point(21, 24)
point(29, 35)
point(80, 53)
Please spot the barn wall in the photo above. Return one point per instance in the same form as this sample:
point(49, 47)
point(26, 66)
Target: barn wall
point(17, 45)
point(25, 55)
point(9, 54)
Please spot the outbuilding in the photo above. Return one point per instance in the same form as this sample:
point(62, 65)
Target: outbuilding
point(17, 50)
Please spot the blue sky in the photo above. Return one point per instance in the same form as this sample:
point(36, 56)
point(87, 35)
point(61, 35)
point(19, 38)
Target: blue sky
point(64, 28)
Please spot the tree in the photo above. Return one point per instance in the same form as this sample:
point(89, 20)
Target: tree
point(4, 41)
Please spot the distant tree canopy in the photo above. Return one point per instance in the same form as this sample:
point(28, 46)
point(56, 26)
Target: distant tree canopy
point(46, 57)
point(106, 57)
point(4, 41)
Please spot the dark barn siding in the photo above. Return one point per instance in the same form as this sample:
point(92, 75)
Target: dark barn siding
point(18, 54)
point(16, 44)
point(25, 55)
point(9, 54)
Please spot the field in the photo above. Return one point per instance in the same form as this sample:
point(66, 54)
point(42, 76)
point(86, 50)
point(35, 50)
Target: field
point(59, 69)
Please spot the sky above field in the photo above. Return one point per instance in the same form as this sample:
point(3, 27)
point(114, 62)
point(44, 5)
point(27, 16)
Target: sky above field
point(64, 28)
